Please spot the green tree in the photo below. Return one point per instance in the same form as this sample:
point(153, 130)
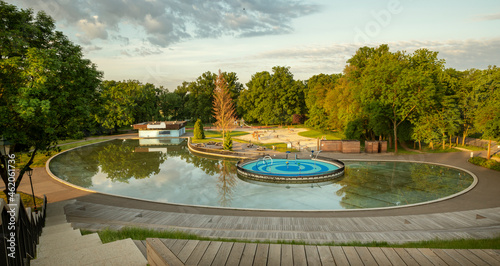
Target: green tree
point(317, 89)
point(273, 99)
point(171, 105)
point(228, 142)
point(487, 115)
point(46, 86)
point(198, 130)
point(124, 103)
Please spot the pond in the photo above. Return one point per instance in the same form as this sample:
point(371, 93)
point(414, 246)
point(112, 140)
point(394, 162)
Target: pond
point(164, 170)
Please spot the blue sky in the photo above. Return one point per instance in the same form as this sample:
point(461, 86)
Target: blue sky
point(165, 42)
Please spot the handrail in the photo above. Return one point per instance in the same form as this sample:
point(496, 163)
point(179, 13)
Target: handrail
point(20, 229)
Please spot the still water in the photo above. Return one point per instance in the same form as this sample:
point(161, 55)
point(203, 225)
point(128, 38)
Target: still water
point(164, 170)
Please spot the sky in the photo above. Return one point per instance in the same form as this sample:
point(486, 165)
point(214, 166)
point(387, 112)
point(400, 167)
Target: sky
point(166, 42)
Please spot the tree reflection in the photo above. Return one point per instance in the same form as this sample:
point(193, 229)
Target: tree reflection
point(80, 164)
point(119, 161)
point(226, 182)
point(382, 184)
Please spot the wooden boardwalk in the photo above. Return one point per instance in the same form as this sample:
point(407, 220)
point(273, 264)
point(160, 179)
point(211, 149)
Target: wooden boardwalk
point(195, 252)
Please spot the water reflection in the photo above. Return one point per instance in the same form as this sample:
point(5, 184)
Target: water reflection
point(164, 170)
point(384, 184)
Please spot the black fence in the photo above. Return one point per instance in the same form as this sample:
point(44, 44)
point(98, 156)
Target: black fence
point(20, 229)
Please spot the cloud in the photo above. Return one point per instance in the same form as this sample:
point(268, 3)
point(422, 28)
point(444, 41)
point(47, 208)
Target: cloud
point(165, 22)
point(311, 60)
point(495, 16)
point(92, 30)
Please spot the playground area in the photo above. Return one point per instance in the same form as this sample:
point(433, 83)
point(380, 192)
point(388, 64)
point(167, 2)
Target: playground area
point(290, 136)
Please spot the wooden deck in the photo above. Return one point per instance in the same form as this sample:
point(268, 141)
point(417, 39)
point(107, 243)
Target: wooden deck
point(195, 252)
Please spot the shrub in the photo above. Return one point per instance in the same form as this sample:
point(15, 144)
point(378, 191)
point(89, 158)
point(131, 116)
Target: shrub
point(228, 142)
point(198, 130)
point(491, 164)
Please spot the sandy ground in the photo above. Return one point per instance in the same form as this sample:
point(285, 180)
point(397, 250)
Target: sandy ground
point(281, 135)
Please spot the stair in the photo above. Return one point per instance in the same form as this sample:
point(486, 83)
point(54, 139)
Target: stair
point(60, 244)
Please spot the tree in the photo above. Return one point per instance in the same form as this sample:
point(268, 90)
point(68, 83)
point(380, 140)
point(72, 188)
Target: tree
point(198, 130)
point(198, 95)
point(46, 86)
point(124, 103)
point(228, 142)
point(273, 99)
point(224, 112)
point(170, 105)
point(487, 115)
point(317, 89)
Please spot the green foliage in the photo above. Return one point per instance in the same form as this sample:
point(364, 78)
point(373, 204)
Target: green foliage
point(228, 142)
point(354, 129)
point(490, 164)
point(198, 95)
point(272, 98)
point(318, 87)
point(199, 133)
point(46, 86)
point(125, 103)
point(487, 113)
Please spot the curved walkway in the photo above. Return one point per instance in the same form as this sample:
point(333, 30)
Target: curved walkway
point(475, 214)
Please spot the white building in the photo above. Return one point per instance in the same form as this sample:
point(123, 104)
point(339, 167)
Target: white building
point(161, 129)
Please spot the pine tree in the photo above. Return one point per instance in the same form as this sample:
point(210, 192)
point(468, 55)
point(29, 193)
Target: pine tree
point(198, 130)
point(228, 142)
point(224, 111)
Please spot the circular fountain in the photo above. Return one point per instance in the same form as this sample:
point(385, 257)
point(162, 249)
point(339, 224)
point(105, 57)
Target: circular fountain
point(267, 169)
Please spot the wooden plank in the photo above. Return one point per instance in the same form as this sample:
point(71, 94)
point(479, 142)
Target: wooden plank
point(392, 256)
point(223, 254)
point(248, 254)
point(141, 245)
point(286, 255)
point(430, 255)
point(470, 256)
point(168, 242)
point(445, 257)
point(339, 256)
point(177, 247)
point(274, 257)
point(235, 254)
point(365, 256)
point(418, 256)
point(352, 256)
point(325, 255)
point(159, 254)
point(493, 253)
point(197, 253)
point(261, 254)
point(210, 253)
point(458, 257)
point(299, 255)
point(187, 250)
point(312, 255)
point(379, 256)
point(407, 259)
point(485, 256)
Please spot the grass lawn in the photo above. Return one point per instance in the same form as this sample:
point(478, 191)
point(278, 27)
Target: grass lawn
point(316, 133)
point(41, 158)
point(108, 235)
point(490, 164)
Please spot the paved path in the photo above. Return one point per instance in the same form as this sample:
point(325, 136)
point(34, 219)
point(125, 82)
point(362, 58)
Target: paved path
point(194, 252)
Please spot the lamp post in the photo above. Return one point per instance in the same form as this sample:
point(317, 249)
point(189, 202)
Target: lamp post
point(30, 173)
point(4, 148)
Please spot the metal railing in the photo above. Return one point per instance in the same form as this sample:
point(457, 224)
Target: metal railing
point(20, 230)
